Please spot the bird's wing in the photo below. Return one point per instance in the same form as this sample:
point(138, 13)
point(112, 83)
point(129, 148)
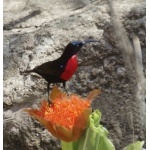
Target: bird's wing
point(49, 68)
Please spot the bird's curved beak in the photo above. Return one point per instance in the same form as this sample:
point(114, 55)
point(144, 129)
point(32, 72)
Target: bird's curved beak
point(90, 40)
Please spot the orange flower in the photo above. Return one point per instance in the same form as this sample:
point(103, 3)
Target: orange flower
point(67, 117)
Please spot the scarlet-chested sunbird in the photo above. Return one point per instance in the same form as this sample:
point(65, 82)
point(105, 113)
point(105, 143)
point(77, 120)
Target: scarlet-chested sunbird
point(61, 69)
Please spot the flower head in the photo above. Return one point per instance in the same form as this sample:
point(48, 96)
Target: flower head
point(67, 117)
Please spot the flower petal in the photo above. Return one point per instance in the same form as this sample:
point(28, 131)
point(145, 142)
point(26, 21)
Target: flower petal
point(81, 123)
point(64, 134)
point(93, 94)
point(57, 94)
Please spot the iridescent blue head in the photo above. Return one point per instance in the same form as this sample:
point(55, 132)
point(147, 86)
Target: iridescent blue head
point(73, 47)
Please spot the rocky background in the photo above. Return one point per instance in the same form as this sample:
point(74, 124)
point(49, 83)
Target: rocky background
point(37, 31)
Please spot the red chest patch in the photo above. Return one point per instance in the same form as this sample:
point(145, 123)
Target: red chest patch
point(70, 69)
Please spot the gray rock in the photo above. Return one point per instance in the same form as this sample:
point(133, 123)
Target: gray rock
point(36, 32)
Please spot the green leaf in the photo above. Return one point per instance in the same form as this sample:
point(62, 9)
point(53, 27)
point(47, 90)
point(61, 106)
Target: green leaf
point(94, 138)
point(135, 146)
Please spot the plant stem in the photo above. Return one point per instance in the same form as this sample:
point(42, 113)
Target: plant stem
point(67, 145)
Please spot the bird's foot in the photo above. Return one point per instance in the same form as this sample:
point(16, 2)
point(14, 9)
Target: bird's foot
point(49, 102)
point(66, 91)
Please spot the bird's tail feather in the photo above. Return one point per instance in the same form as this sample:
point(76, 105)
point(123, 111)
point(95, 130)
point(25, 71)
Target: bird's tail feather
point(26, 71)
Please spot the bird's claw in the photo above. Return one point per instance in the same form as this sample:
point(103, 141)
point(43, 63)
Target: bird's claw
point(49, 102)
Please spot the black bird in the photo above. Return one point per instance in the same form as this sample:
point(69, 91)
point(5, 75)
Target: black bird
point(61, 69)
